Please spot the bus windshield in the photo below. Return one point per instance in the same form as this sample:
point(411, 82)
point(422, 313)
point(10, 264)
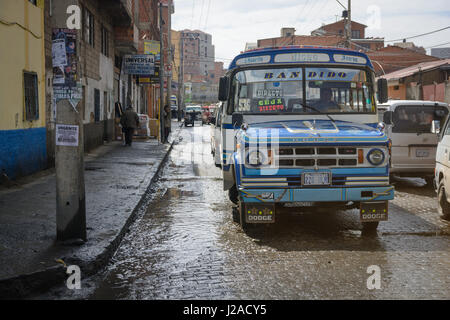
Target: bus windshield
point(303, 90)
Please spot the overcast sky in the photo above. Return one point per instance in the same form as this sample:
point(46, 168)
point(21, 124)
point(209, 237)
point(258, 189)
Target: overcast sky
point(232, 23)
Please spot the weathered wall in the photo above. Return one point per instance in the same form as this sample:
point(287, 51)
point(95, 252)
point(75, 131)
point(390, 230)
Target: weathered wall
point(22, 141)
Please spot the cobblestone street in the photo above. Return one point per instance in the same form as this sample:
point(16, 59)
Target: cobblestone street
point(186, 245)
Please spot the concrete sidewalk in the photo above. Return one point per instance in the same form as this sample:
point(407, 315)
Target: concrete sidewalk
point(116, 180)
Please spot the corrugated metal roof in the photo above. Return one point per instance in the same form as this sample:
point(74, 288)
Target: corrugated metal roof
point(423, 66)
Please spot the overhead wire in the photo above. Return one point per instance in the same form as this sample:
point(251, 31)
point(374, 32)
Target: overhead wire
point(286, 41)
point(438, 45)
point(419, 35)
point(192, 13)
point(207, 14)
point(311, 9)
point(201, 15)
point(300, 11)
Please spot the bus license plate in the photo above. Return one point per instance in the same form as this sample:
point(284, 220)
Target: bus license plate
point(316, 178)
point(373, 211)
point(259, 213)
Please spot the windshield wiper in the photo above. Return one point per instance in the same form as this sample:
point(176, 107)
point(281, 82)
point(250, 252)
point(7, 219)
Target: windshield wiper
point(316, 110)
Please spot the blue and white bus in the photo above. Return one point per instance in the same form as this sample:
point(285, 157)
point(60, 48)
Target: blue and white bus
point(300, 127)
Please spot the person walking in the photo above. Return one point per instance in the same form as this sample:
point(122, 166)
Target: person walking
point(129, 122)
point(167, 122)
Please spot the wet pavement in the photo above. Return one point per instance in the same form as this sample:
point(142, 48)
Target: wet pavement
point(186, 246)
point(116, 181)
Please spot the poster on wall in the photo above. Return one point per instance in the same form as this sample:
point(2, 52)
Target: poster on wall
point(67, 135)
point(59, 56)
point(65, 67)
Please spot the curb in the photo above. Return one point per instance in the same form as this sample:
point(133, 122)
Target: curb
point(22, 286)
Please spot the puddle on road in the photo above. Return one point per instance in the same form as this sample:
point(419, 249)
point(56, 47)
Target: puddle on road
point(176, 193)
point(93, 169)
point(179, 231)
point(351, 233)
point(125, 187)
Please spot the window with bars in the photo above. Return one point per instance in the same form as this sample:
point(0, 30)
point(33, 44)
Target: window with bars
point(30, 82)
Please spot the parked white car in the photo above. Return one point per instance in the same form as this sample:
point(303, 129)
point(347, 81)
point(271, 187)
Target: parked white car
point(442, 171)
point(408, 125)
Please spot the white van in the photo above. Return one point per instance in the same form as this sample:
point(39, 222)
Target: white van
point(408, 125)
point(442, 171)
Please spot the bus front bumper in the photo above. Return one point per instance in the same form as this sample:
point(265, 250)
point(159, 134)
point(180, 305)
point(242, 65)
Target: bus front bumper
point(259, 204)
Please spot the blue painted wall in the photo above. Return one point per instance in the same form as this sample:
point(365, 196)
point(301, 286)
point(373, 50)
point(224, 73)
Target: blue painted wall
point(23, 152)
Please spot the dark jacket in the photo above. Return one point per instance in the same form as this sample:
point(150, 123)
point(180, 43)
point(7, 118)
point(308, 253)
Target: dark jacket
point(167, 118)
point(129, 119)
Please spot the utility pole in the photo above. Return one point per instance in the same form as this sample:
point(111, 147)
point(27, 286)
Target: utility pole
point(180, 78)
point(161, 76)
point(169, 55)
point(349, 23)
point(69, 148)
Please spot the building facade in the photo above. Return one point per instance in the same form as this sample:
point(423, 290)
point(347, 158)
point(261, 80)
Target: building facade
point(200, 72)
point(23, 146)
point(392, 58)
point(108, 30)
point(441, 53)
point(423, 81)
point(332, 35)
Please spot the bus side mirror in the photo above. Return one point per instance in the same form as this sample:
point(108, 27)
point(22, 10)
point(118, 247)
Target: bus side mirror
point(223, 89)
point(213, 121)
point(387, 117)
point(382, 90)
point(237, 119)
point(435, 126)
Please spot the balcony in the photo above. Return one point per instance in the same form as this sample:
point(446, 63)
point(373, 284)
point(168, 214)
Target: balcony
point(119, 10)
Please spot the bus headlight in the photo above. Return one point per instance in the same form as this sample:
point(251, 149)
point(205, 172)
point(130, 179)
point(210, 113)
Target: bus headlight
point(375, 157)
point(256, 158)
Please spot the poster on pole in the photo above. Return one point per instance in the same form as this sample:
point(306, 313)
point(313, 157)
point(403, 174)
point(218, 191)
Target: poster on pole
point(65, 66)
point(67, 135)
point(59, 56)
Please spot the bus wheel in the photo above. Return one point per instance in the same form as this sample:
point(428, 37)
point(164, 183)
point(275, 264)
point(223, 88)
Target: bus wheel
point(235, 214)
point(429, 180)
point(242, 222)
point(391, 178)
point(369, 227)
point(233, 194)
